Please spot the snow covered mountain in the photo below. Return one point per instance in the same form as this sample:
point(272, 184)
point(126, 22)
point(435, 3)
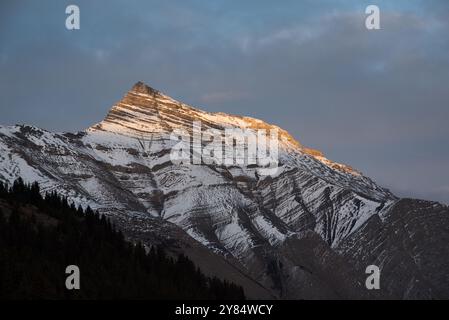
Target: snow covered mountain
point(307, 231)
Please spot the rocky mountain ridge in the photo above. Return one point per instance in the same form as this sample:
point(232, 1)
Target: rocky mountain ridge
point(307, 231)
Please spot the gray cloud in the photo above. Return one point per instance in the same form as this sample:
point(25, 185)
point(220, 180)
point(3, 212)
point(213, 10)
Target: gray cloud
point(377, 100)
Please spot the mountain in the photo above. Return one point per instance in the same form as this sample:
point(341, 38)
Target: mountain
point(307, 229)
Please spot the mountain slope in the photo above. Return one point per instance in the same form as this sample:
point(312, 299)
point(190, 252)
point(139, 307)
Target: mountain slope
point(410, 246)
point(122, 166)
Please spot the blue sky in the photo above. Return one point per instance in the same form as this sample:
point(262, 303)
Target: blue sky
point(376, 100)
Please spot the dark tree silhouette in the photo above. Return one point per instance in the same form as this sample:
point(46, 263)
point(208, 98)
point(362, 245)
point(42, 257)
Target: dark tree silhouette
point(41, 236)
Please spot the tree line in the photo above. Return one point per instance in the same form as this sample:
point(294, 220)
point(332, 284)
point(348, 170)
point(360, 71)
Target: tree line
point(41, 235)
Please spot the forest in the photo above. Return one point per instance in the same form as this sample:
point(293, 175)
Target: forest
point(40, 235)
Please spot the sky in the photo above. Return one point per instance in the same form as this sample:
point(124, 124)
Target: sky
point(377, 100)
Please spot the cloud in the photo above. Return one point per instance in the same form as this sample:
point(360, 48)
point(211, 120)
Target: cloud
point(377, 100)
point(221, 97)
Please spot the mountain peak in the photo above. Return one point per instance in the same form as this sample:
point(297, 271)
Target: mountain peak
point(141, 87)
point(145, 111)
